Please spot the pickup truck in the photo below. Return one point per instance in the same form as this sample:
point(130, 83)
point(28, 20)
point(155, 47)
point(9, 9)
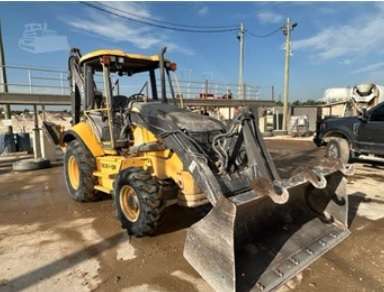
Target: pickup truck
point(348, 137)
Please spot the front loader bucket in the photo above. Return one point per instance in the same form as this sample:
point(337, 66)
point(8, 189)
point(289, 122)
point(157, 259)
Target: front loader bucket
point(248, 242)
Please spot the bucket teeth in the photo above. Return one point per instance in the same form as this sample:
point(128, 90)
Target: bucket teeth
point(333, 235)
point(294, 261)
point(260, 286)
point(322, 242)
point(279, 273)
point(309, 251)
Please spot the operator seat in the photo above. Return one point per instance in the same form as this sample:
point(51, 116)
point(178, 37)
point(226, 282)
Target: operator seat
point(100, 122)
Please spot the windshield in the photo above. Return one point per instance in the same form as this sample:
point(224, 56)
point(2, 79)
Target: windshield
point(139, 83)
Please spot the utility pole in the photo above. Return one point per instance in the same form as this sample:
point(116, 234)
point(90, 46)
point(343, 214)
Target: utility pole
point(240, 36)
point(3, 80)
point(287, 29)
point(189, 83)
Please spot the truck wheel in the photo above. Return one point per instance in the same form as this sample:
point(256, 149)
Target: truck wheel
point(137, 201)
point(338, 148)
point(79, 165)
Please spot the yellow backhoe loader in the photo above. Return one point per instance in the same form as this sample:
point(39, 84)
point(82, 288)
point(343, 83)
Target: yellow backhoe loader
point(261, 231)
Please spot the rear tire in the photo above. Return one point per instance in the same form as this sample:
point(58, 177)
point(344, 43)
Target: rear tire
point(138, 202)
point(338, 148)
point(31, 164)
point(79, 165)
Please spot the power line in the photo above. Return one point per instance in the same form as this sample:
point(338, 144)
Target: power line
point(263, 35)
point(158, 25)
point(160, 21)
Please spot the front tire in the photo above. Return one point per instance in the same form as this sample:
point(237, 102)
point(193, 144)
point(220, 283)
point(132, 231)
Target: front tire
point(338, 149)
point(137, 201)
point(79, 165)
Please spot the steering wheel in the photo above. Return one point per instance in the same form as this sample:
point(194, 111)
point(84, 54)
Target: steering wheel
point(136, 96)
point(121, 102)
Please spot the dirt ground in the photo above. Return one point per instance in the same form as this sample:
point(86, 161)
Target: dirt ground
point(50, 243)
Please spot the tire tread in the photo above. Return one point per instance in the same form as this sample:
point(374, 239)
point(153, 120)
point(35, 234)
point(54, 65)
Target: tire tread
point(87, 165)
point(151, 202)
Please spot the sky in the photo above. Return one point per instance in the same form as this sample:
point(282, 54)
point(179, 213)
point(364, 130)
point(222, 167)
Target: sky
point(335, 44)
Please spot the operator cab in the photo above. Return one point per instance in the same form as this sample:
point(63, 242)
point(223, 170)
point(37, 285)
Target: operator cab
point(106, 108)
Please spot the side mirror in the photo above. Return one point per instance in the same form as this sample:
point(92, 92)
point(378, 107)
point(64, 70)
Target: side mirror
point(364, 115)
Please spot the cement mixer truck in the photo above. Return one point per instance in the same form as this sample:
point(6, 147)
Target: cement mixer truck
point(355, 99)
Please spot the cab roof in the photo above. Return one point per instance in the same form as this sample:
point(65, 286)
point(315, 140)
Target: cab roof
point(123, 61)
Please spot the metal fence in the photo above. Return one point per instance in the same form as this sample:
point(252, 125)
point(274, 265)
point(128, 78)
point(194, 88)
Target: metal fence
point(216, 90)
point(37, 80)
point(29, 79)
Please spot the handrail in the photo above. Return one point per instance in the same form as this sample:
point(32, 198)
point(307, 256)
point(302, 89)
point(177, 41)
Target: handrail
point(50, 80)
point(32, 68)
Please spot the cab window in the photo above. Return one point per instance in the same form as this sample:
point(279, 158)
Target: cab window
point(378, 114)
